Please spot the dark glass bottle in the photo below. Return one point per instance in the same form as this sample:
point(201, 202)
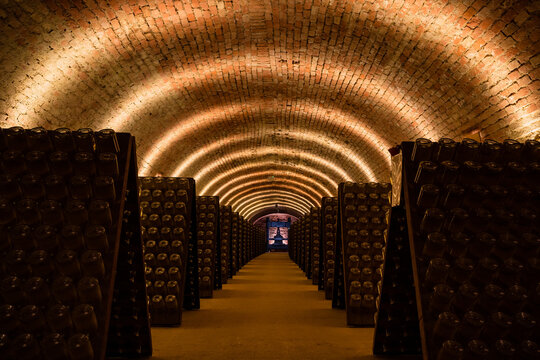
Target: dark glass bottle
point(37, 163)
point(54, 347)
point(446, 150)
point(422, 150)
point(63, 140)
point(64, 290)
point(428, 196)
point(450, 350)
point(96, 238)
point(108, 165)
point(16, 138)
point(59, 318)
point(453, 196)
point(84, 164)
point(80, 347)
point(106, 141)
point(426, 173)
point(71, 237)
point(9, 189)
point(503, 350)
point(432, 221)
point(84, 140)
point(446, 325)
point(26, 347)
point(92, 264)
point(476, 350)
point(468, 150)
point(84, 319)
point(39, 140)
point(89, 291)
point(13, 163)
point(32, 319)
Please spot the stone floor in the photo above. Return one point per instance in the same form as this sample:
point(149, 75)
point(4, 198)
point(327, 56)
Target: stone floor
point(268, 311)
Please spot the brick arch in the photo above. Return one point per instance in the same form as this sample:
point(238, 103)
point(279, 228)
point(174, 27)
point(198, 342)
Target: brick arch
point(272, 200)
point(248, 200)
point(292, 155)
point(456, 13)
point(469, 67)
point(220, 181)
point(245, 193)
point(269, 210)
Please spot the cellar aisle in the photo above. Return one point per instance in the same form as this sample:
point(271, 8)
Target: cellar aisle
point(268, 311)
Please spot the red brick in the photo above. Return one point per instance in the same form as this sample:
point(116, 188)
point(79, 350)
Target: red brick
point(398, 71)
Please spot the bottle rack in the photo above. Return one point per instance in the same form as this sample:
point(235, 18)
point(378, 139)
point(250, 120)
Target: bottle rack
point(296, 242)
point(396, 321)
point(363, 218)
point(65, 202)
point(260, 247)
point(129, 330)
point(293, 243)
point(328, 247)
point(225, 217)
point(241, 236)
point(167, 206)
point(338, 294)
point(208, 244)
point(299, 235)
point(471, 215)
point(315, 236)
point(306, 229)
point(244, 238)
point(235, 243)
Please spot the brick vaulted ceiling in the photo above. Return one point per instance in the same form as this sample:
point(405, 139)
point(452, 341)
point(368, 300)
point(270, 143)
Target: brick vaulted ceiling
point(266, 101)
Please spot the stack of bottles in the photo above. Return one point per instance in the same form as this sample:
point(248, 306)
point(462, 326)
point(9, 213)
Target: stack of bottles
point(235, 242)
point(296, 244)
point(129, 329)
point(364, 212)
point(293, 242)
point(396, 321)
point(166, 227)
point(242, 228)
point(225, 222)
point(208, 244)
point(315, 237)
point(62, 201)
point(260, 242)
point(328, 228)
point(472, 212)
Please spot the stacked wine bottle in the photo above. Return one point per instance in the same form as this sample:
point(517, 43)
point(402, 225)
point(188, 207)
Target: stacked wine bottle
point(363, 218)
point(242, 242)
point(328, 227)
point(293, 242)
point(225, 222)
point(296, 242)
point(472, 213)
point(129, 329)
point(62, 221)
point(235, 242)
point(166, 227)
point(396, 321)
point(315, 237)
point(208, 244)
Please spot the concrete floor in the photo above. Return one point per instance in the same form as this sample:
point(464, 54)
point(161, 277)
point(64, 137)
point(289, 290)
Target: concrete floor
point(268, 311)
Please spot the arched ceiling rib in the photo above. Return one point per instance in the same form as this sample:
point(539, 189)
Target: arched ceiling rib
point(210, 88)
